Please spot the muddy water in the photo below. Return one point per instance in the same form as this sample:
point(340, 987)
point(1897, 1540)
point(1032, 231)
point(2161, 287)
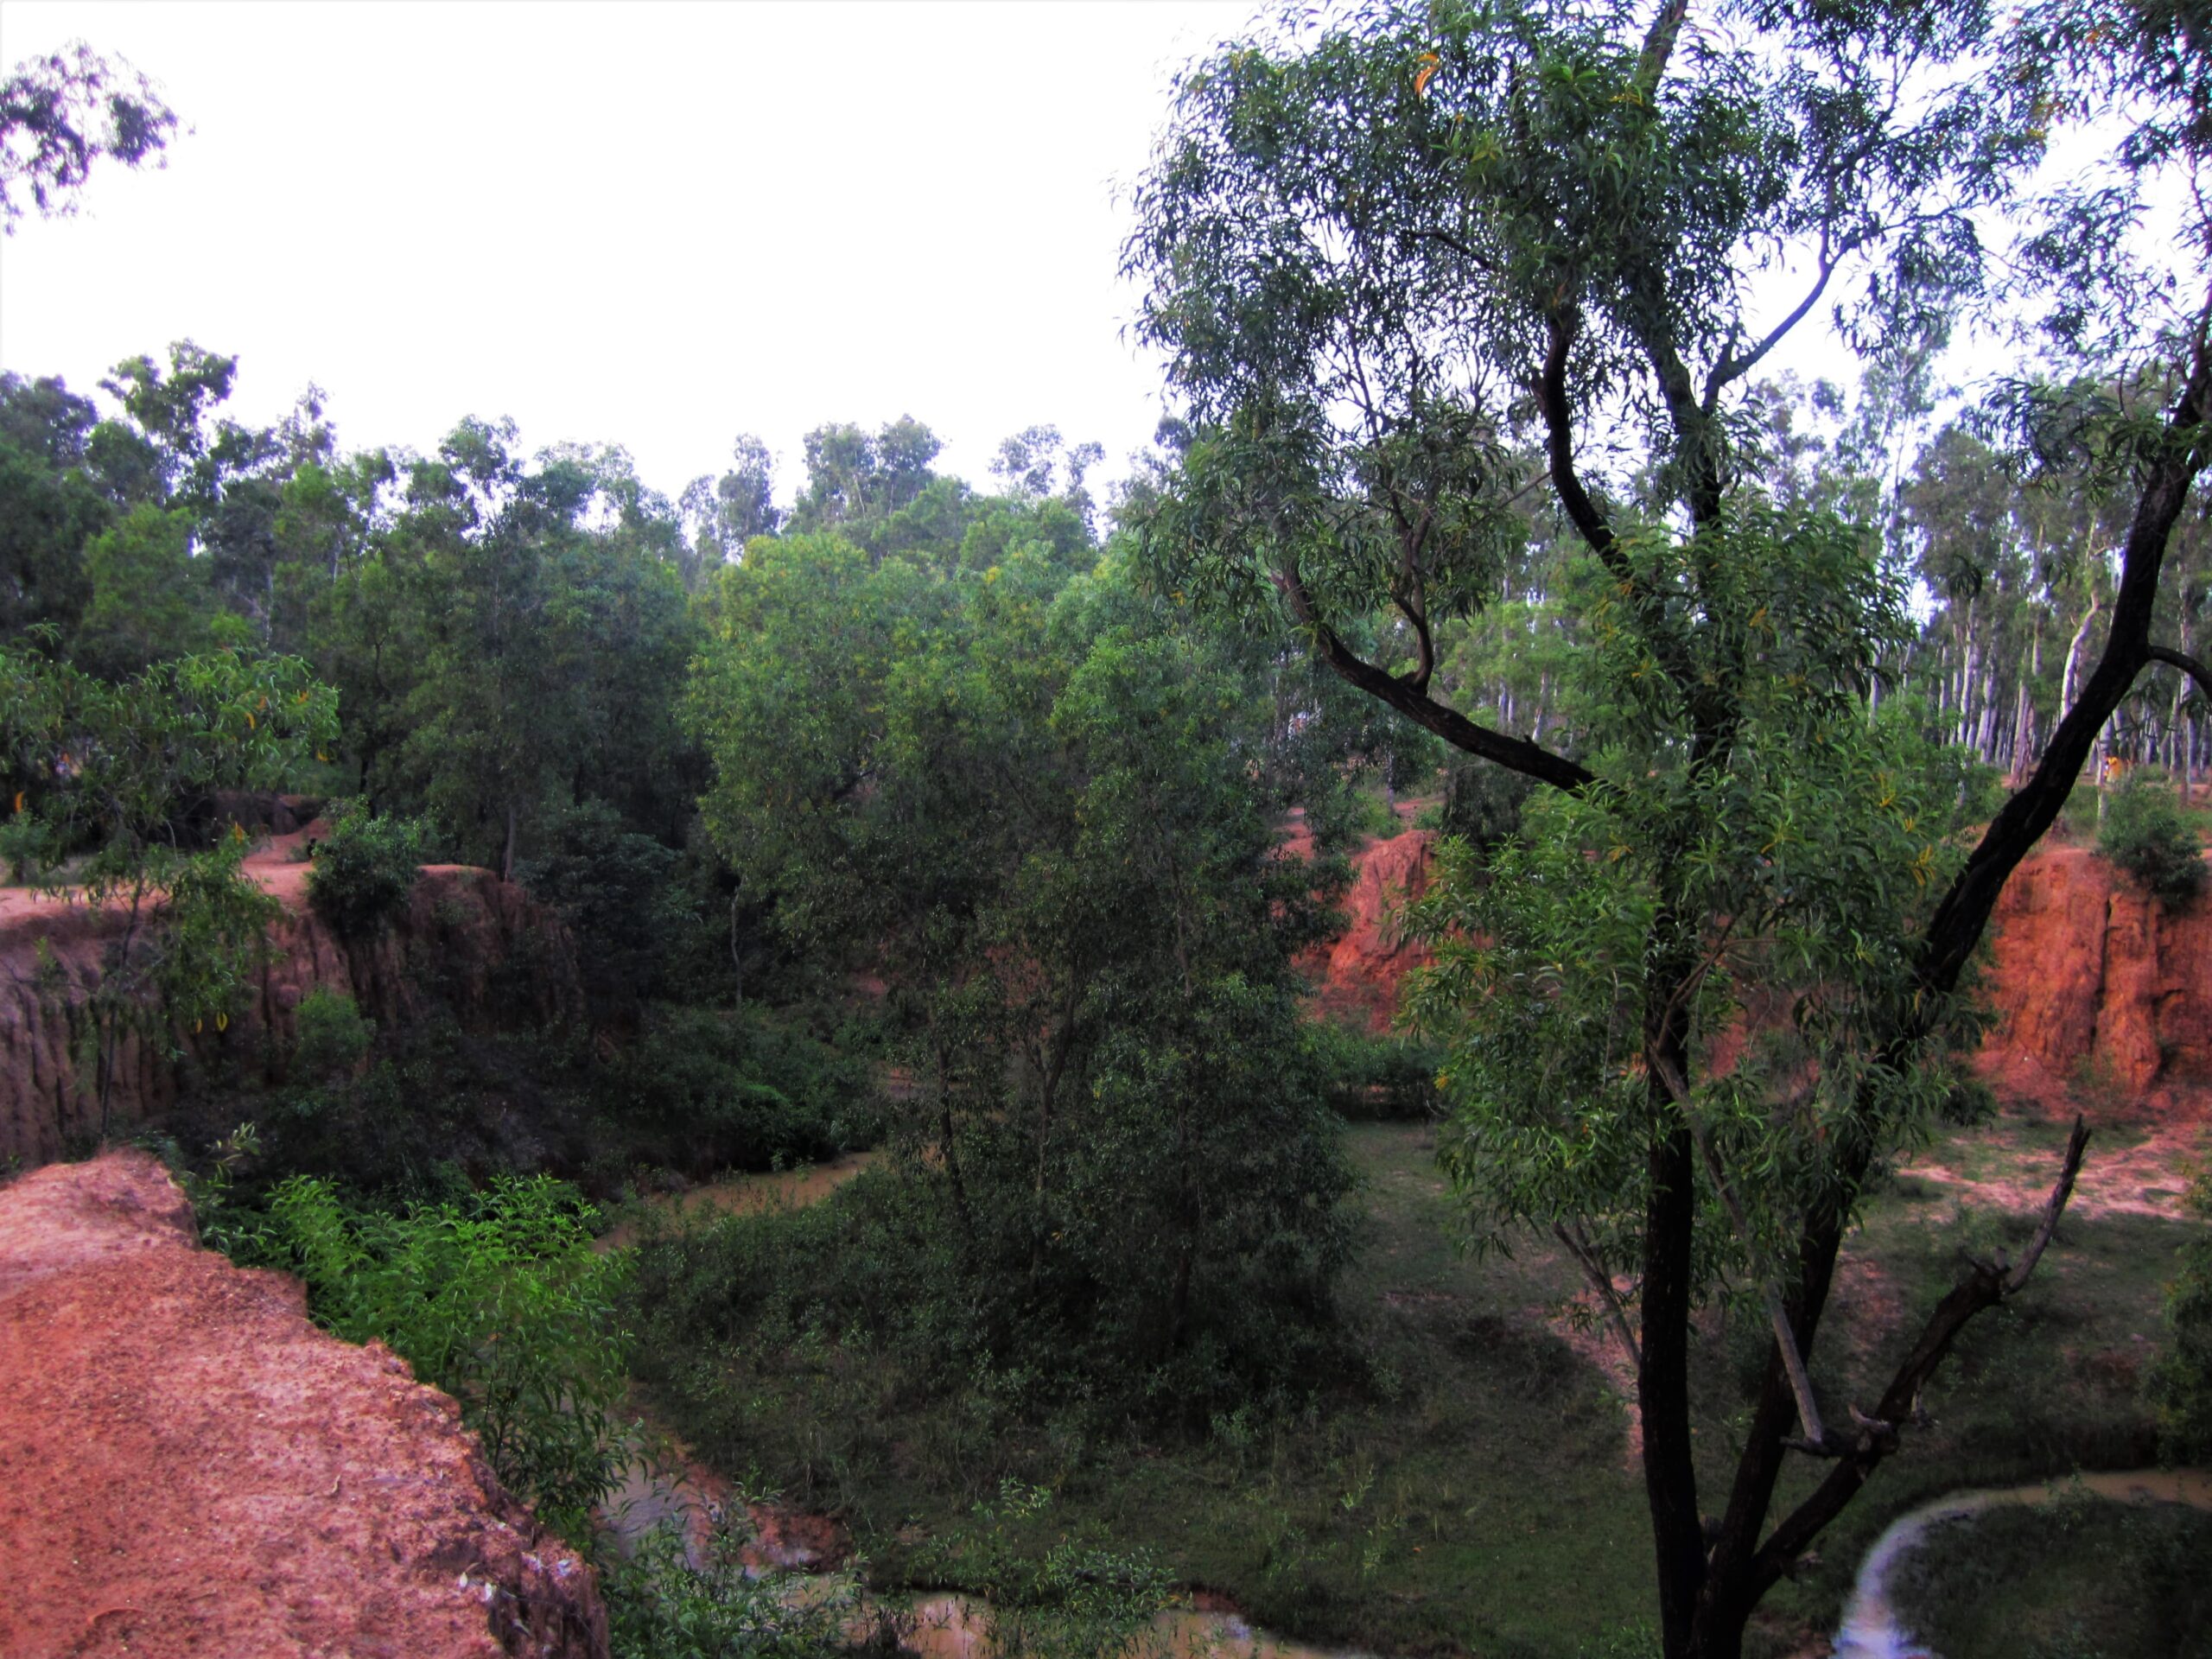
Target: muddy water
point(1870, 1628)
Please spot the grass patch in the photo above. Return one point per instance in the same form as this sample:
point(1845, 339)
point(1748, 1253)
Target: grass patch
point(1475, 1495)
point(2086, 1576)
point(1437, 1509)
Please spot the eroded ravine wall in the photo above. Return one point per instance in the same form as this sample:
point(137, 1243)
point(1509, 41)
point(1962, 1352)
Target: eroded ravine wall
point(479, 946)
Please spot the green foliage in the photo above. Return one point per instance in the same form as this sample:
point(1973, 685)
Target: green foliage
point(330, 1036)
point(1483, 802)
point(1078, 1598)
point(1783, 887)
point(620, 892)
point(1025, 799)
point(498, 1299)
point(704, 1090)
point(120, 766)
point(365, 869)
point(1376, 1078)
point(2179, 1384)
point(660, 1606)
point(59, 113)
point(2146, 833)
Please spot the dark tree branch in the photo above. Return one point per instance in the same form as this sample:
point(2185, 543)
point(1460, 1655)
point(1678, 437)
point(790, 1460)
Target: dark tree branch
point(1731, 368)
point(1659, 46)
point(1470, 255)
point(2188, 665)
point(1859, 1454)
point(1516, 753)
point(1957, 925)
point(1559, 445)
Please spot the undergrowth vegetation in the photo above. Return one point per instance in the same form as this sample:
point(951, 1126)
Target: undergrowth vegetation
point(496, 1297)
point(2147, 833)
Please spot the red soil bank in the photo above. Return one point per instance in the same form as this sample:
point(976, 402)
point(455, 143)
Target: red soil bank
point(1356, 978)
point(188, 1466)
point(460, 927)
point(2087, 969)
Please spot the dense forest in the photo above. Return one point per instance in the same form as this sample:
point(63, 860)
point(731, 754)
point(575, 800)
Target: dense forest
point(949, 824)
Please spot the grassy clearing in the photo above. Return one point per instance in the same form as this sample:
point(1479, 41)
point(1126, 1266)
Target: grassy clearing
point(1478, 1496)
point(2087, 1578)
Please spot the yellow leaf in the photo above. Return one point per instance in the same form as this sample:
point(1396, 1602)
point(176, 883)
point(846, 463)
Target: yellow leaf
point(249, 720)
point(1429, 62)
point(222, 1022)
point(238, 832)
point(19, 800)
point(319, 755)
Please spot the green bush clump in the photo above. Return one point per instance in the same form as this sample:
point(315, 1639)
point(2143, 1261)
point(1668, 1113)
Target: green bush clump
point(2146, 834)
point(1376, 1079)
point(2180, 1381)
point(705, 1090)
point(623, 896)
point(330, 1036)
point(661, 1606)
point(365, 869)
point(498, 1299)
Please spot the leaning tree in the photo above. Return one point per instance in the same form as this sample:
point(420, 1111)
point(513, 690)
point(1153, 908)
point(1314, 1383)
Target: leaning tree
point(1433, 279)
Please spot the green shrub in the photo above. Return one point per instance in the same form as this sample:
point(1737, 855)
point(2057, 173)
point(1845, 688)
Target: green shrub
point(2180, 1381)
point(619, 893)
point(365, 869)
point(1076, 1599)
point(2146, 834)
point(330, 1036)
point(1482, 801)
point(706, 1090)
point(1376, 1079)
point(498, 1299)
point(661, 1606)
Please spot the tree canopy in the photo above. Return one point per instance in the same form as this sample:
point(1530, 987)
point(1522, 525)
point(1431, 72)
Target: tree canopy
point(1448, 291)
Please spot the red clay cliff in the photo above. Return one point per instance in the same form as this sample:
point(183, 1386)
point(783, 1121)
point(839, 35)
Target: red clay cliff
point(460, 927)
point(2090, 979)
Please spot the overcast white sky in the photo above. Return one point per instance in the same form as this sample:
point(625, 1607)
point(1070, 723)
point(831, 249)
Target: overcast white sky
point(657, 225)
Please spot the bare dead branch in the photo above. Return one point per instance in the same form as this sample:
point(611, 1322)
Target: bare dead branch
point(1858, 1455)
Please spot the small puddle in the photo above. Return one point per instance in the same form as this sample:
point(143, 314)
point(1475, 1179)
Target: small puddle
point(1871, 1629)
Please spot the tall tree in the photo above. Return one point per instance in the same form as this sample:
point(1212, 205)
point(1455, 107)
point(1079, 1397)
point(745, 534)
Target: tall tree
point(1390, 256)
point(59, 113)
point(1016, 792)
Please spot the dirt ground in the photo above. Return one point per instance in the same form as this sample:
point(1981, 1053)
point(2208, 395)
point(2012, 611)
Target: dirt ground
point(191, 1467)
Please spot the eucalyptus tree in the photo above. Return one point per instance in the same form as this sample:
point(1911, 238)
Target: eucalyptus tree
point(61, 112)
point(1421, 272)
